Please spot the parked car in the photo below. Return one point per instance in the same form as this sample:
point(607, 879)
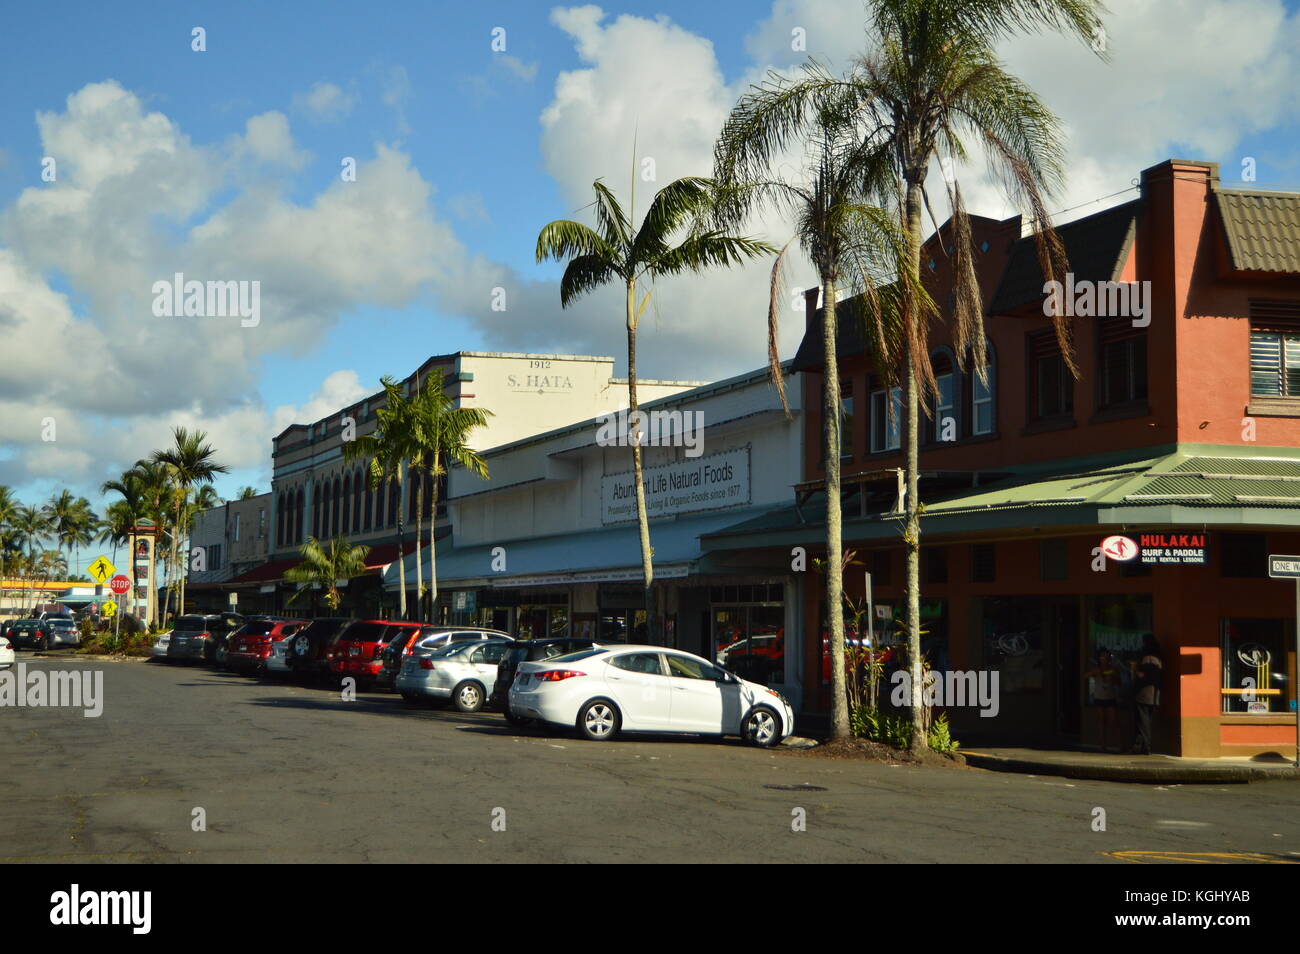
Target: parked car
point(463, 672)
point(359, 651)
point(159, 650)
point(427, 639)
point(231, 623)
point(7, 655)
point(529, 650)
point(30, 634)
point(308, 652)
point(603, 691)
point(194, 637)
point(63, 632)
point(250, 647)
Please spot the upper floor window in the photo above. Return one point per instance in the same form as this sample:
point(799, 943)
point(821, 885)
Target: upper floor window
point(1123, 356)
point(886, 419)
point(237, 516)
point(944, 420)
point(1051, 388)
point(846, 419)
point(1274, 363)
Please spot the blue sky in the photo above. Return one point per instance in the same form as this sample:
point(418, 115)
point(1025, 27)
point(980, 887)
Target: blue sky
point(171, 158)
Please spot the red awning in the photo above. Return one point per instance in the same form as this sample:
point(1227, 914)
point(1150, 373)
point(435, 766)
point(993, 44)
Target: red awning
point(385, 553)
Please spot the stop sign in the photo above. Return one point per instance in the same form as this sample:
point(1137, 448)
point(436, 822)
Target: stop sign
point(119, 584)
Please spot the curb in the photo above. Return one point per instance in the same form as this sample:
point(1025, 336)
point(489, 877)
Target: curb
point(1155, 774)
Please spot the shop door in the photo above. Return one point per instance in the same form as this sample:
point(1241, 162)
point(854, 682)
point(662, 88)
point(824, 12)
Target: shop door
point(1069, 700)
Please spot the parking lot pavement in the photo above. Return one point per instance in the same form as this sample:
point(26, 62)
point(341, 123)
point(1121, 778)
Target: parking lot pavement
point(283, 773)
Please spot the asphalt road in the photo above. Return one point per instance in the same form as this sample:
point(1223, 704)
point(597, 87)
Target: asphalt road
point(292, 774)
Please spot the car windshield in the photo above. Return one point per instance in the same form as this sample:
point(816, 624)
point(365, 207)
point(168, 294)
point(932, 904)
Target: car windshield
point(365, 633)
point(258, 627)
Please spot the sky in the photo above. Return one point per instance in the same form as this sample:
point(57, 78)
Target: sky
point(468, 127)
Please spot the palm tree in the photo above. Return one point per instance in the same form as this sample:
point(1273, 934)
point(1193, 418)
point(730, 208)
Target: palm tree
point(188, 462)
point(441, 430)
point(389, 449)
point(616, 252)
point(324, 568)
point(32, 525)
point(246, 493)
point(844, 237)
point(932, 82)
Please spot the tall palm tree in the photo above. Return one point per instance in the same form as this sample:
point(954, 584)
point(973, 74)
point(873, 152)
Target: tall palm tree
point(845, 238)
point(442, 431)
point(389, 449)
point(324, 567)
point(189, 461)
point(616, 251)
point(246, 493)
point(33, 526)
point(931, 83)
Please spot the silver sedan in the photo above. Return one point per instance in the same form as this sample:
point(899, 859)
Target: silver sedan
point(462, 673)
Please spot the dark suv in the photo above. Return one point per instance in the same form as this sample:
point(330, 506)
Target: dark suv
point(196, 637)
point(312, 647)
point(529, 650)
point(425, 640)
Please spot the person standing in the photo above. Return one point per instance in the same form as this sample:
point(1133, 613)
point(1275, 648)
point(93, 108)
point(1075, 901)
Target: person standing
point(1146, 699)
point(1105, 696)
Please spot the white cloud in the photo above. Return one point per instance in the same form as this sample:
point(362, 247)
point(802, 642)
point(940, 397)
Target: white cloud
point(325, 102)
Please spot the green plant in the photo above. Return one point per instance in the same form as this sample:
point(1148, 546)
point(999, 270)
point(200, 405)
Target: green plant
point(941, 739)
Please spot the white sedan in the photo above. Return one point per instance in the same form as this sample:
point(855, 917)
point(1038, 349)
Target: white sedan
point(159, 649)
point(605, 690)
point(7, 655)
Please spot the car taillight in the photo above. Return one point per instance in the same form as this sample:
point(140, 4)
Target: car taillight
point(557, 675)
point(426, 663)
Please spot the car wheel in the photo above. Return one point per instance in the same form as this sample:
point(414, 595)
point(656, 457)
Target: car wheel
point(300, 646)
point(468, 697)
point(599, 720)
point(762, 727)
point(43, 644)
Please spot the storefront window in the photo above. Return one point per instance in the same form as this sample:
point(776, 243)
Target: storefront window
point(1255, 666)
point(622, 626)
point(891, 636)
point(750, 639)
point(1118, 624)
point(1012, 633)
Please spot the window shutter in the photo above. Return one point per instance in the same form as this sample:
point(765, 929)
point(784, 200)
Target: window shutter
point(1119, 329)
point(1266, 363)
point(1042, 344)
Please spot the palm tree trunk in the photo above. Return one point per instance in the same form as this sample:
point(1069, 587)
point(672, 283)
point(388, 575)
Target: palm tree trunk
point(401, 563)
point(831, 413)
point(912, 510)
point(419, 557)
point(643, 522)
point(433, 553)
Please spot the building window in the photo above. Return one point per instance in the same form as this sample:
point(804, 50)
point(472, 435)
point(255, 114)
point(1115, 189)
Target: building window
point(846, 419)
point(1274, 363)
point(279, 521)
point(1053, 560)
point(298, 522)
point(983, 563)
point(214, 557)
point(982, 416)
point(1243, 556)
point(886, 419)
point(261, 523)
point(881, 568)
point(317, 502)
point(1123, 357)
point(944, 419)
point(236, 538)
point(935, 564)
point(1051, 388)
point(356, 502)
point(1254, 654)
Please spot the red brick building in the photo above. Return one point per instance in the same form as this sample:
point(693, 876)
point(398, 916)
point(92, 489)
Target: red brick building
point(1183, 420)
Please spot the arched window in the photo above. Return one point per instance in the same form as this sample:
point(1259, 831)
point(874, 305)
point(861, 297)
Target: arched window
point(315, 510)
point(333, 510)
point(370, 499)
point(298, 515)
point(346, 521)
point(394, 501)
point(356, 501)
point(279, 520)
point(982, 415)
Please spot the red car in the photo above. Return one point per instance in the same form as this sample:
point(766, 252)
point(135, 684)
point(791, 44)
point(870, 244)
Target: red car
point(360, 651)
point(250, 647)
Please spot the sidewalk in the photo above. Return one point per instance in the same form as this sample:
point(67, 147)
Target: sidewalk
point(1129, 768)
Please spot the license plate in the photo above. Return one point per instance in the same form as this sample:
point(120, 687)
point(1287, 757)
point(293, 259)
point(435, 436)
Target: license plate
point(354, 651)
